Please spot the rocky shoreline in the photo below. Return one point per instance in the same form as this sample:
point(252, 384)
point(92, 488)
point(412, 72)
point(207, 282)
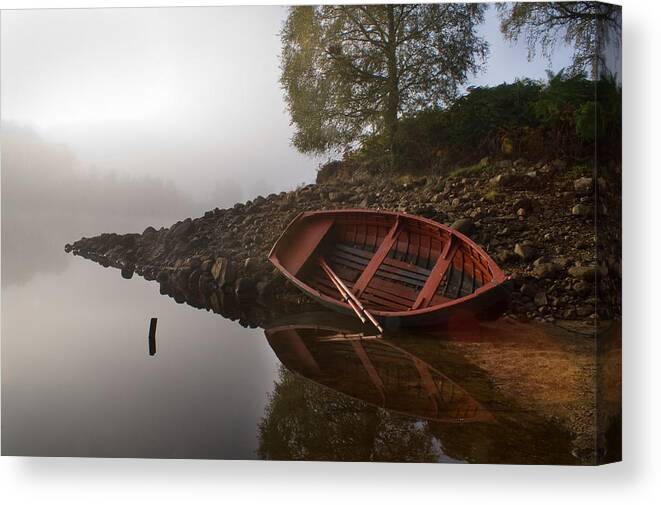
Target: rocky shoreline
point(536, 221)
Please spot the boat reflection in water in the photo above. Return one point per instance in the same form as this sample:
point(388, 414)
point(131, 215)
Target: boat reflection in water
point(372, 369)
point(502, 392)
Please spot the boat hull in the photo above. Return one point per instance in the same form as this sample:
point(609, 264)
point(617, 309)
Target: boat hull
point(407, 271)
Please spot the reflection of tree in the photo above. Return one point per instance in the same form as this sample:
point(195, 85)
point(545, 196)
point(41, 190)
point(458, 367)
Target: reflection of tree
point(305, 421)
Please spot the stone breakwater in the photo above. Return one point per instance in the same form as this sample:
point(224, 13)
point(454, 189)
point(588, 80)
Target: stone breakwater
point(537, 222)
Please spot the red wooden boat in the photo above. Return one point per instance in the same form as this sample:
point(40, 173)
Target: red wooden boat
point(390, 268)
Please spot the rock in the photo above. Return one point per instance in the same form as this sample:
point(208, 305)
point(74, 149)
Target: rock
point(524, 251)
point(584, 185)
point(264, 288)
point(559, 165)
point(251, 264)
point(581, 209)
point(585, 310)
point(527, 204)
point(528, 290)
point(582, 288)
point(546, 270)
point(193, 278)
point(502, 164)
point(529, 220)
point(561, 261)
point(540, 299)
point(465, 226)
point(182, 229)
point(587, 273)
point(245, 287)
point(504, 257)
point(223, 272)
point(429, 212)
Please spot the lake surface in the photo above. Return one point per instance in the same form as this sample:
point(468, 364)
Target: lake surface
point(78, 380)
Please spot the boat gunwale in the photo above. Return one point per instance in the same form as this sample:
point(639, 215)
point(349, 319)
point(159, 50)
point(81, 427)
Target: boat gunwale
point(498, 276)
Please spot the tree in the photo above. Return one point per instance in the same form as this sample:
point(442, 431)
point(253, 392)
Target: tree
point(350, 71)
point(588, 26)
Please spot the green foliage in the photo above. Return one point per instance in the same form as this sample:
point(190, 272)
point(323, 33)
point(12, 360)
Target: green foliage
point(349, 71)
point(587, 26)
point(524, 119)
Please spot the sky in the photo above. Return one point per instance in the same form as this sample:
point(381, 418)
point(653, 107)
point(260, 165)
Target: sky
point(188, 95)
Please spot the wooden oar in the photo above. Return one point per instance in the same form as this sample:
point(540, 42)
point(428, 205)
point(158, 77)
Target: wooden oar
point(344, 295)
point(346, 292)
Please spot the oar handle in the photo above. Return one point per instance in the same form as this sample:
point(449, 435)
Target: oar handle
point(345, 291)
point(343, 294)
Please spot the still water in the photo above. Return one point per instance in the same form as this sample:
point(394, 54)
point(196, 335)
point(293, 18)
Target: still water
point(78, 380)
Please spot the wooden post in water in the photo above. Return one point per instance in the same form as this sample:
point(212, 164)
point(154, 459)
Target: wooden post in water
point(152, 336)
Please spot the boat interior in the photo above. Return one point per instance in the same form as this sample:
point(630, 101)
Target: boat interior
point(390, 262)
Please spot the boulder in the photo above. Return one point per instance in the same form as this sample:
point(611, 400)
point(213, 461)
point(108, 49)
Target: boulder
point(251, 264)
point(584, 185)
point(587, 273)
point(223, 272)
point(465, 226)
point(245, 287)
point(582, 288)
point(527, 204)
point(525, 251)
point(580, 209)
point(545, 270)
point(540, 299)
point(182, 229)
point(585, 310)
point(504, 257)
point(528, 290)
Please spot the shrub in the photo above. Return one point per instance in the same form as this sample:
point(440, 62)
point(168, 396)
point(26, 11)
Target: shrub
point(525, 119)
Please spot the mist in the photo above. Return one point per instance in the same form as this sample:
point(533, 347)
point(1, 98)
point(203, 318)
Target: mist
point(48, 200)
point(190, 95)
point(117, 119)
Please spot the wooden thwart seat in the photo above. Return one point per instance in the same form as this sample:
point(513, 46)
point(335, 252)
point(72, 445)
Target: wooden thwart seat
point(377, 271)
point(438, 272)
point(377, 259)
